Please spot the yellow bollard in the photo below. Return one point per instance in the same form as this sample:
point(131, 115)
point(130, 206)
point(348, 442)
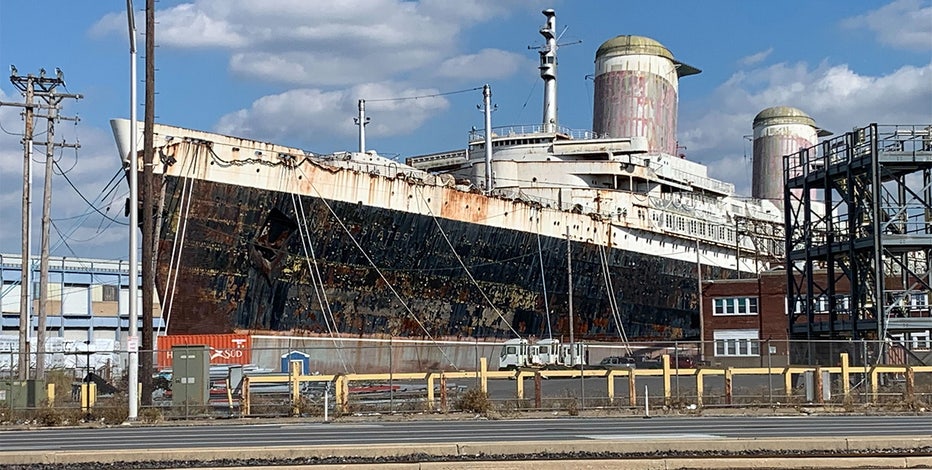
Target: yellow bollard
point(632, 391)
point(88, 396)
point(610, 384)
point(342, 393)
point(728, 386)
point(293, 368)
point(247, 404)
point(519, 384)
point(788, 384)
point(845, 376)
point(430, 390)
point(819, 385)
point(483, 378)
point(699, 386)
point(50, 393)
point(667, 392)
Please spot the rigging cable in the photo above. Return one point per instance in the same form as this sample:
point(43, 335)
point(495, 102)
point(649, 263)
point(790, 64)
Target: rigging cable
point(317, 281)
point(379, 272)
point(613, 302)
point(174, 263)
point(543, 279)
point(463, 264)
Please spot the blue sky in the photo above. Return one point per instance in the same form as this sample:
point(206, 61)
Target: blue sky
point(290, 71)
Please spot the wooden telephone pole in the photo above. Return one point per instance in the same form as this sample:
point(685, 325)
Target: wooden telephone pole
point(43, 88)
point(148, 212)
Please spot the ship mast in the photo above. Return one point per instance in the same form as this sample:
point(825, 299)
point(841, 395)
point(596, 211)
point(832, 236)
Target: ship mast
point(548, 70)
point(361, 121)
point(487, 110)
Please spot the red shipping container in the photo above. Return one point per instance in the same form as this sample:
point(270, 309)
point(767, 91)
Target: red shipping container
point(224, 348)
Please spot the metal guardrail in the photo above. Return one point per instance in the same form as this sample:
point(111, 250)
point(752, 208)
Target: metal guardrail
point(844, 372)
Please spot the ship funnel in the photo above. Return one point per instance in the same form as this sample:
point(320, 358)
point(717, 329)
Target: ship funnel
point(778, 131)
point(548, 70)
point(636, 87)
point(121, 129)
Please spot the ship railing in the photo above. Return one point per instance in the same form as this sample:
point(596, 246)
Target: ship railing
point(907, 141)
point(696, 180)
point(478, 135)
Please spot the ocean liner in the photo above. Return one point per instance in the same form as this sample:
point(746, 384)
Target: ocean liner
point(481, 242)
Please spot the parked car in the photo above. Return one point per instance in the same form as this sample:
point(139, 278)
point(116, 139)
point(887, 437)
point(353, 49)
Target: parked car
point(683, 362)
point(618, 362)
point(644, 361)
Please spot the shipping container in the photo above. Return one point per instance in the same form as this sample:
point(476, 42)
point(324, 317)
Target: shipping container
point(224, 348)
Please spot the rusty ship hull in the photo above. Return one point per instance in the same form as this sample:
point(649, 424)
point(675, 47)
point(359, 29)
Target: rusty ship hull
point(242, 266)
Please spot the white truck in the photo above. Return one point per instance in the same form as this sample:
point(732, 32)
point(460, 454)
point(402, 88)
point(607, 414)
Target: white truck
point(546, 353)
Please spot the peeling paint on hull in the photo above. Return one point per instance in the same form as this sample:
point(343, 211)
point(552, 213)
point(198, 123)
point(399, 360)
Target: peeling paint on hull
point(242, 266)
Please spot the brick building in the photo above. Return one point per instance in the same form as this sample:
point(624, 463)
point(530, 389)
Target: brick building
point(744, 321)
point(745, 324)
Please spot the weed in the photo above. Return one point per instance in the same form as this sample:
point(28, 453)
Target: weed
point(474, 401)
point(114, 410)
point(150, 415)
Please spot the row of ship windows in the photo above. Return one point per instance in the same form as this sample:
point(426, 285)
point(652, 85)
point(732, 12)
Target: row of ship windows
point(695, 227)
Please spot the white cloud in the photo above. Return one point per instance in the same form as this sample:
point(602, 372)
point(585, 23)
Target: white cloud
point(837, 97)
point(303, 114)
point(353, 41)
point(756, 58)
point(902, 23)
point(488, 64)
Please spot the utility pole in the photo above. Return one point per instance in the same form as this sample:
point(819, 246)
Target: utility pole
point(53, 100)
point(25, 297)
point(569, 290)
point(32, 87)
point(148, 240)
point(701, 317)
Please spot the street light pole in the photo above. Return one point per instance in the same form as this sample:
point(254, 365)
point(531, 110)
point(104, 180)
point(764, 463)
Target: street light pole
point(132, 342)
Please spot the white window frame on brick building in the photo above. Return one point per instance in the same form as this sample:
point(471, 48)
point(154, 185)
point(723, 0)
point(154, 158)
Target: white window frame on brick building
point(920, 340)
point(736, 343)
point(724, 306)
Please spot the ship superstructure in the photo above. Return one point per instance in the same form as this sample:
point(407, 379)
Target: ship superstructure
point(462, 243)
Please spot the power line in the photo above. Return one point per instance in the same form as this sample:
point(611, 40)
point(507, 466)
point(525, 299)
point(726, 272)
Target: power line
point(405, 98)
point(85, 199)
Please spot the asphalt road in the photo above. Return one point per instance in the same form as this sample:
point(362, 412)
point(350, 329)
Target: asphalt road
point(478, 430)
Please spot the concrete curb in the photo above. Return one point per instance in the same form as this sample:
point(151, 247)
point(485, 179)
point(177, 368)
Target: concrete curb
point(788, 463)
point(738, 447)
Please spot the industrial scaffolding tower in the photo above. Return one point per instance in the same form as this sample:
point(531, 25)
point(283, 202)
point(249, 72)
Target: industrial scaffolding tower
point(858, 211)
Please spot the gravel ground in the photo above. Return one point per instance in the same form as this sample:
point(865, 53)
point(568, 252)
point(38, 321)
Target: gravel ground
point(924, 451)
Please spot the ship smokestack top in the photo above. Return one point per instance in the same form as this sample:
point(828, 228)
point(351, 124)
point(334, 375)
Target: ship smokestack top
point(548, 70)
point(782, 115)
point(778, 131)
point(636, 91)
